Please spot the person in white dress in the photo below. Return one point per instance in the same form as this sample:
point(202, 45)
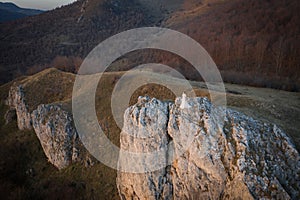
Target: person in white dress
point(184, 104)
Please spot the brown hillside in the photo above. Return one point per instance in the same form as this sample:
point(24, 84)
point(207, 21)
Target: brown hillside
point(261, 38)
point(67, 31)
point(252, 42)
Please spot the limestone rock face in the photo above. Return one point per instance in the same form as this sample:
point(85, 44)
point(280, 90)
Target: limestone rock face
point(16, 100)
point(145, 131)
point(217, 153)
point(58, 137)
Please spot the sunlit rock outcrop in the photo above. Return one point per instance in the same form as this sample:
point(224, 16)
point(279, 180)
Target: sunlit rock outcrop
point(218, 153)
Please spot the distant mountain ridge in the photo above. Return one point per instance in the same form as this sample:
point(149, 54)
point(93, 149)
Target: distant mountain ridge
point(10, 11)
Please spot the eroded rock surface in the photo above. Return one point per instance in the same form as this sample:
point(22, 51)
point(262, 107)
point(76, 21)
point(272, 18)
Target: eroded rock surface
point(218, 153)
point(55, 130)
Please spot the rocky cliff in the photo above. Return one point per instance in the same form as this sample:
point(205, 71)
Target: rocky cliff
point(230, 155)
point(206, 152)
point(53, 126)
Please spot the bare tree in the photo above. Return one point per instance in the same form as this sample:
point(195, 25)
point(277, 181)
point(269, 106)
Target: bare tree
point(293, 60)
point(261, 47)
point(278, 54)
point(239, 54)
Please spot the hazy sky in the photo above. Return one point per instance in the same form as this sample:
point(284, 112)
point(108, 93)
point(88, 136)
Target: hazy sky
point(40, 4)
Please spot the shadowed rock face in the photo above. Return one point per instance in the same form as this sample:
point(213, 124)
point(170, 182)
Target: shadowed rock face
point(229, 156)
point(10, 115)
point(16, 100)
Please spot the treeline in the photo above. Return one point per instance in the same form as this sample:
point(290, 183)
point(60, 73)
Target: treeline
point(252, 42)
